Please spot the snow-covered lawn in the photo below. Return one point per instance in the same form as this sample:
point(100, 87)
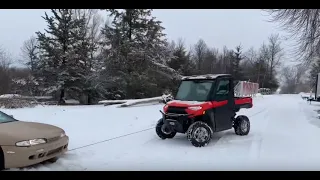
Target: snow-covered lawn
point(284, 135)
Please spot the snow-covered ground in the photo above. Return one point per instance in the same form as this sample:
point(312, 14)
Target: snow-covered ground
point(285, 135)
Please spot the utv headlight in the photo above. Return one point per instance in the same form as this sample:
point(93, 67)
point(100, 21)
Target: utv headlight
point(30, 142)
point(195, 108)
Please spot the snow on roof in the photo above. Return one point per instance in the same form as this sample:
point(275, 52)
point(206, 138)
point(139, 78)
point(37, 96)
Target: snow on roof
point(186, 102)
point(205, 76)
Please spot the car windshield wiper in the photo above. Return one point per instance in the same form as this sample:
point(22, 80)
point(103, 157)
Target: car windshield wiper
point(8, 121)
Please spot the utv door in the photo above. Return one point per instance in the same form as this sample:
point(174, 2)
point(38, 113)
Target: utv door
point(223, 113)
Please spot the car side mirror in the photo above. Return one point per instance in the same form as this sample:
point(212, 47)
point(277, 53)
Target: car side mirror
point(11, 116)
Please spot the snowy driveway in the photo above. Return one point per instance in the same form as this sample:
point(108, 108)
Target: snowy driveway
point(285, 134)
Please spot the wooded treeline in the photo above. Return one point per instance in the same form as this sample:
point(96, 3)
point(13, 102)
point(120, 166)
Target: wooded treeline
point(81, 56)
point(303, 26)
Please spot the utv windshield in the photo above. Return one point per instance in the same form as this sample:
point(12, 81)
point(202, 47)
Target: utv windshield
point(194, 90)
point(4, 118)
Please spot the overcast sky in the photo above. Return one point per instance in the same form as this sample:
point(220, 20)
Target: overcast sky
point(216, 27)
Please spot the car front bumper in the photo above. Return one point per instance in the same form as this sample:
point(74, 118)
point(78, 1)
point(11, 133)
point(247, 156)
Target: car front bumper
point(17, 157)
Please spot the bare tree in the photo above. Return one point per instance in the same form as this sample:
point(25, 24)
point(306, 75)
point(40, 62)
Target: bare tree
point(199, 52)
point(5, 62)
point(5, 59)
point(276, 53)
point(263, 59)
point(250, 56)
point(224, 60)
point(30, 52)
point(293, 78)
point(288, 75)
point(210, 61)
point(172, 45)
point(180, 44)
point(303, 25)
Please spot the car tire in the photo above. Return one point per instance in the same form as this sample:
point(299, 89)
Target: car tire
point(1, 159)
point(161, 134)
point(195, 130)
point(53, 160)
point(241, 125)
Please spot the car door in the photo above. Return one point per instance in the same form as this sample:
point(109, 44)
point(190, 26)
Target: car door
point(223, 110)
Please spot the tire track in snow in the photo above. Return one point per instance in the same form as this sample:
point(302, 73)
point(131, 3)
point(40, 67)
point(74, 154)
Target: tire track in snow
point(141, 131)
point(254, 138)
point(110, 139)
point(260, 129)
point(229, 136)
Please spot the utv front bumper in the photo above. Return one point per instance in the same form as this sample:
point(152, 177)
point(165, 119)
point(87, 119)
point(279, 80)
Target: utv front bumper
point(176, 122)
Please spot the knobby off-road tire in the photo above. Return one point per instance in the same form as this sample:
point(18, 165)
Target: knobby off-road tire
point(199, 134)
point(241, 125)
point(161, 134)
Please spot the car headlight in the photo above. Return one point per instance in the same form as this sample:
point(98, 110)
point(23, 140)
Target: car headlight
point(63, 134)
point(195, 108)
point(31, 142)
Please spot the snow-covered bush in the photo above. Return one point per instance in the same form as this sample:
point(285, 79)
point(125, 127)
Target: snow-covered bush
point(166, 98)
point(14, 103)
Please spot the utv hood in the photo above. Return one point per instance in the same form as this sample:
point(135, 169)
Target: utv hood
point(178, 103)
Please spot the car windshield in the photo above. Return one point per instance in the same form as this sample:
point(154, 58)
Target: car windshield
point(4, 118)
point(194, 90)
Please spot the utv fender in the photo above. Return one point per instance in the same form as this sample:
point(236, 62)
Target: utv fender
point(1, 159)
point(209, 119)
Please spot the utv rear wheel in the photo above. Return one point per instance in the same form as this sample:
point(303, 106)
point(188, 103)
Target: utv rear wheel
point(199, 134)
point(160, 131)
point(242, 125)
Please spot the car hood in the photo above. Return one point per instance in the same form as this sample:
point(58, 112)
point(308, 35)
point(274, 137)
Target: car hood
point(12, 132)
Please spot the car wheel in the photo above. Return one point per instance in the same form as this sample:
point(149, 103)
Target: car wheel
point(242, 125)
point(53, 160)
point(199, 134)
point(1, 159)
point(161, 134)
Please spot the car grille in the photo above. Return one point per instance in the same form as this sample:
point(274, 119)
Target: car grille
point(54, 151)
point(176, 110)
point(49, 140)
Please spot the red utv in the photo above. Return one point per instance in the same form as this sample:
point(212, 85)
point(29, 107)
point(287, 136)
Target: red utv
point(204, 105)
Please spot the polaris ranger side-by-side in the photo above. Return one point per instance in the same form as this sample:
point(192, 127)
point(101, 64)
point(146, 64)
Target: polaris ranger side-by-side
point(204, 105)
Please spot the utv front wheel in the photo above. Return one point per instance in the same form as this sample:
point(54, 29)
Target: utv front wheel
point(199, 134)
point(160, 131)
point(242, 125)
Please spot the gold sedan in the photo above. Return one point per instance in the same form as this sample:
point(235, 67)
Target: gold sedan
point(27, 143)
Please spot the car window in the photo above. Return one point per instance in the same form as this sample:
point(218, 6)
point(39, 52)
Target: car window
point(4, 118)
point(222, 92)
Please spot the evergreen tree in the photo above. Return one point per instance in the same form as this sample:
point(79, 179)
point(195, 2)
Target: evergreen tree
point(235, 66)
point(180, 60)
point(136, 53)
point(62, 55)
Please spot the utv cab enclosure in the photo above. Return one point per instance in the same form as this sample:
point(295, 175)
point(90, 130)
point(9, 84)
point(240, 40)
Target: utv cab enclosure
point(204, 105)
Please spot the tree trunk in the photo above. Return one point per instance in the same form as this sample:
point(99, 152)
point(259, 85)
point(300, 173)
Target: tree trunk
point(89, 99)
point(61, 98)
